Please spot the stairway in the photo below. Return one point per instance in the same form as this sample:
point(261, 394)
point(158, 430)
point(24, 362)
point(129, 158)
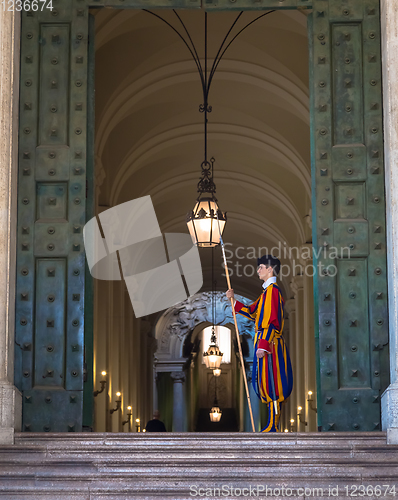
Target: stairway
point(140, 466)
point(228, 422)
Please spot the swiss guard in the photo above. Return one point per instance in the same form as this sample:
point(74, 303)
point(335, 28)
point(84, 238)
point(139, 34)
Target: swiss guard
point(272, 377)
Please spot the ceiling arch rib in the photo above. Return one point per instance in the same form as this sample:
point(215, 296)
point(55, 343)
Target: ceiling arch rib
point(249, 178)
point(248, 220)
point(137, 157)
point(252, 222)
point(273, 195)
point(128, 94)
point(109, 27)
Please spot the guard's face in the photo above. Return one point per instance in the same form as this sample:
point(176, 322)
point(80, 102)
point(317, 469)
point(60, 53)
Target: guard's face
point(264, 272)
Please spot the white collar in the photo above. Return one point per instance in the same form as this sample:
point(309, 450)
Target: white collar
point(269, 281)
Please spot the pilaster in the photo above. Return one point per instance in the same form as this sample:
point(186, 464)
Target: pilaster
point(10, 397)
point(309, 336)
point(290, 309)
point(297, 285)
point(389, 32)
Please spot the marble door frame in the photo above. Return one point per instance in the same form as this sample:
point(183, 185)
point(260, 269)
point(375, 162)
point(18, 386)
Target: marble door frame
point(10, 397)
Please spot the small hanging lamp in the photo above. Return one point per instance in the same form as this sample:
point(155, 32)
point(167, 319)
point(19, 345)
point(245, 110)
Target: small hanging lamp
point(215, 412)
point(213, 356)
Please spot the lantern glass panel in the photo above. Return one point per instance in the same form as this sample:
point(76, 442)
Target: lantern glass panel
point(203, 225)
point(215, 414)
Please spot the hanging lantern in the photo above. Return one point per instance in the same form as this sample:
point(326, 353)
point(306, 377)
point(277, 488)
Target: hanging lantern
point(215, 414)
point(213, 356)
point(206, 222)
point(217, 372)
point(204, 227)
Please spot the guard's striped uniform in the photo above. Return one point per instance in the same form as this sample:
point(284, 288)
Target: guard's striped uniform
point(268, 314)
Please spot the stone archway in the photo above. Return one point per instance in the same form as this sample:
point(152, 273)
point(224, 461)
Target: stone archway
point(173, 329)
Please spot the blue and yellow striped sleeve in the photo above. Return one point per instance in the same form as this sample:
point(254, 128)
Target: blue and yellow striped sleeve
point(249, 312)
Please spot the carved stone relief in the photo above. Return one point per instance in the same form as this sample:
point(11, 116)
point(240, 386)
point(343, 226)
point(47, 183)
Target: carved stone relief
point(178, 321)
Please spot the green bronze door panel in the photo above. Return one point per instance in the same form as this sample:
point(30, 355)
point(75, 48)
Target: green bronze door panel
point(54, 67)
point(348, 213)
point(51, 215)
point(49, 338)
point(347, 125)
point(56, 99)
point(352, 321)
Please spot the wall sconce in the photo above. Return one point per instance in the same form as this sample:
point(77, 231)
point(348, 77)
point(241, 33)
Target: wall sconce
point(310, 400)
point(137, 424)
point(291, 425)
point(300, 416)
point(118, 403)
point(129, 415)
point(103, 384)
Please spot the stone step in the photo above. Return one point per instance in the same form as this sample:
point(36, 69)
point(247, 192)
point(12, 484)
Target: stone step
point(97, 466)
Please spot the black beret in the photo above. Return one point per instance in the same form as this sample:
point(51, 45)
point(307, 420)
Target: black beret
point(269, 260)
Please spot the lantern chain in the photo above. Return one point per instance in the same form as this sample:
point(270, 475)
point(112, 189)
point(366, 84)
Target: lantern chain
point(206, 184)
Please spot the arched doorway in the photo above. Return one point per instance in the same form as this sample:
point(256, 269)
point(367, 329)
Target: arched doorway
point(266, 207)
point(180, 371)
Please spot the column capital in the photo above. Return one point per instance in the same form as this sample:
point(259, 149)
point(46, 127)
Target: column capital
point(306, 254)
point(290, 306)
point(178, 377)
point(297, 284)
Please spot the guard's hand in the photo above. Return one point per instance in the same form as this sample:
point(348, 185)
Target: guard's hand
point(230, 294)
point(260, 353)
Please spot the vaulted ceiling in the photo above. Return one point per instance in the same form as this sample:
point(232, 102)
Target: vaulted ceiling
point(149, 132)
